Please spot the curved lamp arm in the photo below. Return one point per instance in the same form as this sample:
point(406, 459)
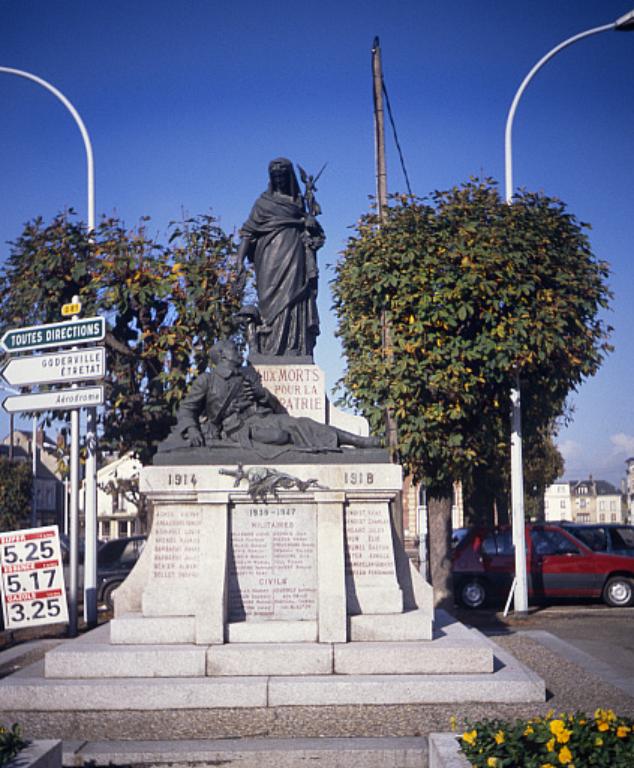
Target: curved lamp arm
point(90, 164)
point(508, 150)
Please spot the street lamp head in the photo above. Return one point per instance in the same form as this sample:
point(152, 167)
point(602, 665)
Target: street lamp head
point(625, 23)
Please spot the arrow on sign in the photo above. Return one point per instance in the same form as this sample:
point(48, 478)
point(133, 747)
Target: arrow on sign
point(60, 400)
point(76, 365)
point(65, 334)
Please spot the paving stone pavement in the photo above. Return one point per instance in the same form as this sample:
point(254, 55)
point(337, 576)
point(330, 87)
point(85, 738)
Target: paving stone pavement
point(574, 681)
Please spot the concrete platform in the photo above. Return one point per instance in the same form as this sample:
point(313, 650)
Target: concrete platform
point(405, 752)
point(29, 690)
point(454, 650)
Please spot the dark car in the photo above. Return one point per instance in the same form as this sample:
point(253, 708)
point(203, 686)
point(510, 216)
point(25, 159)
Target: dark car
point(64, 543)
point(115, 560)
point(558, 566)
point(614, 538)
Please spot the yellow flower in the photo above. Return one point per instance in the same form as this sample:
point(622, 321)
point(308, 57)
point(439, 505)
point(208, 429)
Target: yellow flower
point(603, 725)
point(453, 722)
point(550, 745)
point(492, 762)
point(622, 731)
point(558, 728)
point(604, 715)
point(528, 730)
point(470, 737)
point(547, 765)
point(565, 756)
point(598, 742)
point(499, 737)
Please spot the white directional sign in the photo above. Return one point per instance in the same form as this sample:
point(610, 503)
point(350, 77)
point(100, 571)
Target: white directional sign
point(60, 400)
point(65, 334)
point(87, 364)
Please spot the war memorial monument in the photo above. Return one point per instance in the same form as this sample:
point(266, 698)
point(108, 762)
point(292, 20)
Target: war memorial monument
point(273, 576)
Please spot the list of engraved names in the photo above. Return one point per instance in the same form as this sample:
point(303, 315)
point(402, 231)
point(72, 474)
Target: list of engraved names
point(272, 563)
point(368, 541)
point(177, 543)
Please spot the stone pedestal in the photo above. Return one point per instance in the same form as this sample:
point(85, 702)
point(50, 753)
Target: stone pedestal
point(293, 567)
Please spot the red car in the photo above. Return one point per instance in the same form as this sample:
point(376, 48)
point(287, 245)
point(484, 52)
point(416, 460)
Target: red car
point(558, 566)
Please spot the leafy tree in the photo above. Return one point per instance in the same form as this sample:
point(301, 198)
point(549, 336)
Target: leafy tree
point(165, 305)
point(16, 486)
point(474, 290)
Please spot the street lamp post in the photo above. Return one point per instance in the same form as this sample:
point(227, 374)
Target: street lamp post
point(90, 507)
point(623, 24)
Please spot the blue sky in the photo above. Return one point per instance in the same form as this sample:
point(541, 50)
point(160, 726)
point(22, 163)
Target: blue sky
point(187, 102)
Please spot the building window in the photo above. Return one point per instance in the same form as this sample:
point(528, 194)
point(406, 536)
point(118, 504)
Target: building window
point(602, 505)
point(602, 518)
point(122, 528)
point(613, 506)
point(562, 504)
point(583, 517)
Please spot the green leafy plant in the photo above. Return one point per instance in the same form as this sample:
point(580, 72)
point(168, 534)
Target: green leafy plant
point(11, 742)
point(571, 740)
point(16, 486)
point(474, 291)
point(165, 305)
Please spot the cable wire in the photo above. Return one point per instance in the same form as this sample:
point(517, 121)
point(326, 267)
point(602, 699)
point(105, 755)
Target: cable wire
point(396, 141)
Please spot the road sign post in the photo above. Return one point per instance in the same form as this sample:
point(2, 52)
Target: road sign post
point(58, 400)
point(64, 334)
point(87, 364)
point(74, 365)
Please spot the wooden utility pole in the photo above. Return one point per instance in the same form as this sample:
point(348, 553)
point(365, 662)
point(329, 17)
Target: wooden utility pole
point(381, 198)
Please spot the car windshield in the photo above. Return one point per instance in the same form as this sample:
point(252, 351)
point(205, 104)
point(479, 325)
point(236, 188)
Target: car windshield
point(623, 538)
point(111, 552)
point(595, 538)
point(548, 542)
point(499, 543)
point(123, 552)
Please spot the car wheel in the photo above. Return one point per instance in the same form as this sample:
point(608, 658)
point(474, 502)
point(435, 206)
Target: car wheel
point(473, 593)
point(107, 594)
point(619, 592)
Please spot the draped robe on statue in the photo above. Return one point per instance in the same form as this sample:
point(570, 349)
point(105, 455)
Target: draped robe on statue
point(286, 275)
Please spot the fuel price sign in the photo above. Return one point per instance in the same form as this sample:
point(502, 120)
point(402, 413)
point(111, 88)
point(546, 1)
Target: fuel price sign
point(32, 578)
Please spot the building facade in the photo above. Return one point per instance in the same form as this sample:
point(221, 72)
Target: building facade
point(584, 501)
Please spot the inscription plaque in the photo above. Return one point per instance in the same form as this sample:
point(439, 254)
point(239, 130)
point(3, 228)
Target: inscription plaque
point(177, 543)
point(272, 562)
point(300, 388)
point(370, 567)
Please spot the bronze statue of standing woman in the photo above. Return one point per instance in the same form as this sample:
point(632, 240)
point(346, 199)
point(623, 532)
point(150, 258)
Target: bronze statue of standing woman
point(281, 237)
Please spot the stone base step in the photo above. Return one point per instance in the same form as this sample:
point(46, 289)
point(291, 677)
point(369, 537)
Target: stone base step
point(136, 629)
point(28, 690)
point(454, 650)
point(404, 752)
